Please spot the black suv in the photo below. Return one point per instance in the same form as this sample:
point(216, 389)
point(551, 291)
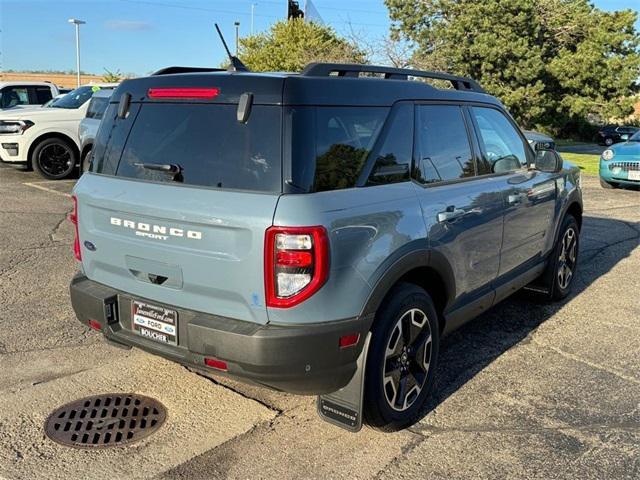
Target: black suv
point(614, 134)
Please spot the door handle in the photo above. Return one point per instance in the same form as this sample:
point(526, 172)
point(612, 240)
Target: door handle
point(450, 213)
point(516, 199)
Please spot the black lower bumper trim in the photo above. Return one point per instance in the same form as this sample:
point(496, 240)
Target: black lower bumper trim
point(301, 359)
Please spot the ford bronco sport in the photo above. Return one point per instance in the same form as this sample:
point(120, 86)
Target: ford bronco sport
point(317, 233)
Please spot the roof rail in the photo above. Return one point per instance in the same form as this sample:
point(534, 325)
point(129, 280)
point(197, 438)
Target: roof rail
point(171, 70)
point(354, 70)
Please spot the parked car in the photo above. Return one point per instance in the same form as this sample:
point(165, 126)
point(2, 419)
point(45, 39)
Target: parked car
point(614, 134)
point(89, 125)
point(24, 94)
point(620, 164)
point(313, 231)
point(539, 140)
point(47, 138)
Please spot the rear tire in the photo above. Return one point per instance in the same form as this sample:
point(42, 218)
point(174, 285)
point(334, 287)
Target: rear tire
point(54, 158)
point(563, 261)
point(608, 141)
point(402, 359)
point(607, 185)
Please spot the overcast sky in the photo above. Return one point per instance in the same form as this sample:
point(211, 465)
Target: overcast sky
point(140, 36)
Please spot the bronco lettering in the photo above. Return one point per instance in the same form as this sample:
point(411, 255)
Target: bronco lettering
point(142, 228)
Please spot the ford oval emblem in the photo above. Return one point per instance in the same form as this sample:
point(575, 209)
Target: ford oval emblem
point(90, 246)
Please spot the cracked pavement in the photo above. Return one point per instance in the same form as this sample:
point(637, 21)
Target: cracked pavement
point(527, 390)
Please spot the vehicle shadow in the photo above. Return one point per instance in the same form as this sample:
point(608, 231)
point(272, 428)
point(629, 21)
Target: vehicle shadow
point(466, 352)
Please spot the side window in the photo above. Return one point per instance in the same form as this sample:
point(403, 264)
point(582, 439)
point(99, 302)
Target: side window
point(97, 107)
point(443, 151)
point(344, 139)
point(503, 148)
point(42, 95)
point(393, 153)
point(12, 96)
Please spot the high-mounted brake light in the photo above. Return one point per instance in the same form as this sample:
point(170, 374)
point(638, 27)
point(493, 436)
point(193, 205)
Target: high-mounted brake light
point(176, 92)
point(296, 264)
point(73, 218)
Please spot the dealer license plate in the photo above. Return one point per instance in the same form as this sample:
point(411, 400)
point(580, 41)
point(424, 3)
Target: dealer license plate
point(155, 322)
point(634, 174)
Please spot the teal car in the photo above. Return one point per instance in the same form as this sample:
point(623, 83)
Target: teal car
point(620, 164)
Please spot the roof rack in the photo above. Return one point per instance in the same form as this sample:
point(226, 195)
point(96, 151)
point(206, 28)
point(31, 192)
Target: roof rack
point(354, 70)
point(171, 70)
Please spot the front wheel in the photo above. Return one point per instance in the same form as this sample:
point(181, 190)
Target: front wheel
point(402, 359)
point(54, 158)
point(608, 141)
point(563, 262)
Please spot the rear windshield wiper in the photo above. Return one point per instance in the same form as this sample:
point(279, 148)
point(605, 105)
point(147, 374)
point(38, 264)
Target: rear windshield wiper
point(170, 168)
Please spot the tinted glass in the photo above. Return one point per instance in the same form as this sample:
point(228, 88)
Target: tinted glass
point(344, 139)
point(110, 139)
point(43, 94)
point(208, 144)
point(443, 144)
point(503, 148)
point(12, 96)
point(393, 155)
point(76, 98)
point(97, 107)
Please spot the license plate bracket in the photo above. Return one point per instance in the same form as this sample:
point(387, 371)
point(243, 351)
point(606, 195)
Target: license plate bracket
point(154, 322)
point(634, 175)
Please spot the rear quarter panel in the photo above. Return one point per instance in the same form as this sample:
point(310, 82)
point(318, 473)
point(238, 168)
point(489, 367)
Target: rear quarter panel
point(366, 227)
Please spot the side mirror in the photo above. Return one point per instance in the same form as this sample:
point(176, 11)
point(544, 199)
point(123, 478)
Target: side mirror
point(624, 137)
point(548, 161)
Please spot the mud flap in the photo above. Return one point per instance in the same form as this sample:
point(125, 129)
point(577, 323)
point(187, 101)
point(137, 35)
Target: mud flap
point(343, 408)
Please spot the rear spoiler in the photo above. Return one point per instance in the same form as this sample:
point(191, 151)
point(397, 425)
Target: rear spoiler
point(172, 70)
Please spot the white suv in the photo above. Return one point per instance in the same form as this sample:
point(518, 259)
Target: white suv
point(47, 138)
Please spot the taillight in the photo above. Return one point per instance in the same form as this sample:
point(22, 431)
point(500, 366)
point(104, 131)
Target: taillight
point(296, 264)
point(172, 92)
point(73, 217)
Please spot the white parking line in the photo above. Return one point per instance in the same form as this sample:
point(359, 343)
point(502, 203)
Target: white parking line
point(40, 187)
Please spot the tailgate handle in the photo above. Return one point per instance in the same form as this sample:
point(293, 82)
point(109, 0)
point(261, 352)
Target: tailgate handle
point(157, 279)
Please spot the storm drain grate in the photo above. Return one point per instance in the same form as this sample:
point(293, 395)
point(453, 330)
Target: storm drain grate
point(109, 420)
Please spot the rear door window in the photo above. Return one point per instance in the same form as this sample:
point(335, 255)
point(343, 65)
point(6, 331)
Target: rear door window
point(42, 94)
point(208, 144)
point(443, 150)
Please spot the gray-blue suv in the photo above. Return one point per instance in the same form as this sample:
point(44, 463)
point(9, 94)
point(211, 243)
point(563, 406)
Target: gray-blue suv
point(317, 233)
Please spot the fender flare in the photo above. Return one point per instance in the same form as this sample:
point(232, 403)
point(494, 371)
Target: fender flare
point(398, 265)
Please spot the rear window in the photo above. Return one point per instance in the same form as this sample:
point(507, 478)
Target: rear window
point(207, 143)
point(97, 107)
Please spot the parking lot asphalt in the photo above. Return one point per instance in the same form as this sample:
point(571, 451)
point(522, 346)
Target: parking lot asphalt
point(528, 390)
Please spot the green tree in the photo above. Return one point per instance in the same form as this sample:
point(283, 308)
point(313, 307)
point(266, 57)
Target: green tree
point(291, 44)
point(112, 77)
point(551, 62)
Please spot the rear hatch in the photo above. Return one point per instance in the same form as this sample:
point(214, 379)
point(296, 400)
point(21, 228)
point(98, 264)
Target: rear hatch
point(192, 237)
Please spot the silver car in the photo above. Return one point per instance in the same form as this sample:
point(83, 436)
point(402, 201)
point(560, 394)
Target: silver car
point(90, 123)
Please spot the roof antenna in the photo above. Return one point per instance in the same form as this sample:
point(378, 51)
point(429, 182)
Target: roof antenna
point(236, 65)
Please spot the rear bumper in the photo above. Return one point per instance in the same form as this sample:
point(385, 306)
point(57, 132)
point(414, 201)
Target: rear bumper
point(301, 359)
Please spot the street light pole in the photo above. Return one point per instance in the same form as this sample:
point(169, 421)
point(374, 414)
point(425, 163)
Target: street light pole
point(237, 24)
point(77, 23)
point(253, 5)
